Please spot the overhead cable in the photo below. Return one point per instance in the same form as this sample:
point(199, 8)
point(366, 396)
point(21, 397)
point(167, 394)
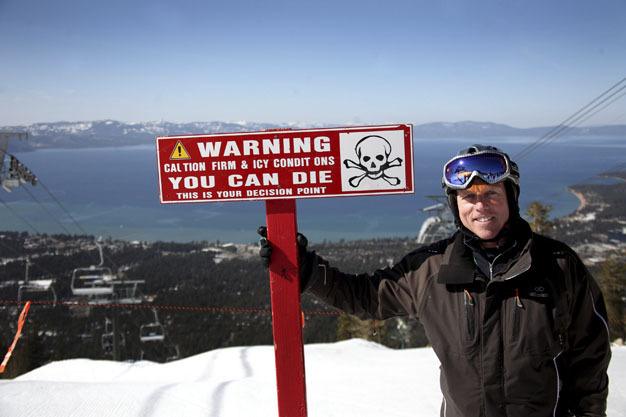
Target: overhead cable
point(56, 200)
point(560, 131)
point(62, 207)
point(16, 214)
point(47, 211)
point(578, 117)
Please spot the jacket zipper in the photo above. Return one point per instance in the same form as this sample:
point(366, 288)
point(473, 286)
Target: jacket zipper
point(501, 319)
point(468, 301)
point(517, 306)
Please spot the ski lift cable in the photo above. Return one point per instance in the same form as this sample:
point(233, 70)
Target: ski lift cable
point(575, 118)
point(16, 214)
point(563, 123)
point(58, 202)
point(55, 199)
point(47, 211)
point(607, 105)
point(583, 109)
point(577, 122)
point(574, 123)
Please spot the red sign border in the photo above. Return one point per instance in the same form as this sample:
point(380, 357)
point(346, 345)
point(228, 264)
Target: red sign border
point(410, 189)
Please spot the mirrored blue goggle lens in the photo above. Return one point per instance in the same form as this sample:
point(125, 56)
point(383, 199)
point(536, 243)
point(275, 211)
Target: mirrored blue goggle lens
point(491, 167)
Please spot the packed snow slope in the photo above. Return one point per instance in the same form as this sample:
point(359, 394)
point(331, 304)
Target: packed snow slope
point(351, 378)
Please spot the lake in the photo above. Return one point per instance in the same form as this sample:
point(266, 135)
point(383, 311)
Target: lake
point(114, 192)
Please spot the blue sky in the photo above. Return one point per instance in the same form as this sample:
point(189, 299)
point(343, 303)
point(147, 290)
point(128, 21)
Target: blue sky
point(523, 63)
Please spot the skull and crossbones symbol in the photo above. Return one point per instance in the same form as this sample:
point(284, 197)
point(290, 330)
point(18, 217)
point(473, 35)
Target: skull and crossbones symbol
point(373, 152)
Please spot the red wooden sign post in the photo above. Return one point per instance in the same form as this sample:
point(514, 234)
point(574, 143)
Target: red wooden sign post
point(279, 166)
point(286, 313)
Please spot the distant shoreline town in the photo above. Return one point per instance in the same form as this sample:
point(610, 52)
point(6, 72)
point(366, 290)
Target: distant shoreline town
point(598, 226)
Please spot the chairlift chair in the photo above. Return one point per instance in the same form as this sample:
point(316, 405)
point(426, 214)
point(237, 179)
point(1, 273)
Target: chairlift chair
point(92, 281)
point(36, 290)
point(152, 332)
point(95, 282)
point(10, 183)
point(127, 291)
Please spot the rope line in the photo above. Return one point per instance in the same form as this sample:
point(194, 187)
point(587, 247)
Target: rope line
point(166, 307)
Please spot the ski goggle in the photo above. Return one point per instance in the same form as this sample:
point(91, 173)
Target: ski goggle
point(489, 166)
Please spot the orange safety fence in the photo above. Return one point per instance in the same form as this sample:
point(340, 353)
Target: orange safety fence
point(166, 307)
point(18, 333)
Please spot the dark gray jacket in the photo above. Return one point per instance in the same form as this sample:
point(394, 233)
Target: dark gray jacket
point(522, 336)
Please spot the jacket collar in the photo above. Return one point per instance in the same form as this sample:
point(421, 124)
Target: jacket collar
point(459, 267)
point(458, 263)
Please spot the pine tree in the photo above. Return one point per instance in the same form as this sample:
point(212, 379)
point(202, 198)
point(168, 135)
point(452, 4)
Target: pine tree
point(612, 279)
point(538, 217)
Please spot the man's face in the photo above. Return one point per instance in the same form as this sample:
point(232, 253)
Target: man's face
point(483, 209)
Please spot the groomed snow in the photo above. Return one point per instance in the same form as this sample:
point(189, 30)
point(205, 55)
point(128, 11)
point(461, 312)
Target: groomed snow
point(351, 378)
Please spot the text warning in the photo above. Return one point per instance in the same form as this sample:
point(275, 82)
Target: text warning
point(286, 164)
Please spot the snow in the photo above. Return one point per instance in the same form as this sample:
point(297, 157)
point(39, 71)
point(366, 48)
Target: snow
point(350, 378)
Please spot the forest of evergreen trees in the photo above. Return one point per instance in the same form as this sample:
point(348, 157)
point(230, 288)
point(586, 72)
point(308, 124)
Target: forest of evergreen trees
point(193, 295)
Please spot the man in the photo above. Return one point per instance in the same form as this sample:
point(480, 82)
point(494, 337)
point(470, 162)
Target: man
point(515, 318)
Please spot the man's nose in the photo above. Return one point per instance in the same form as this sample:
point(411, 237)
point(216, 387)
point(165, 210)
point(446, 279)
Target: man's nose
point(482, 200)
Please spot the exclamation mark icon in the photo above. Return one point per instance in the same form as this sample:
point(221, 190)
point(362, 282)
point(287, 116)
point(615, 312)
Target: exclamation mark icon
point(179, 152)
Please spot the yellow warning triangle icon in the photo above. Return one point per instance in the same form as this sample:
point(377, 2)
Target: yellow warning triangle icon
point(179, 152)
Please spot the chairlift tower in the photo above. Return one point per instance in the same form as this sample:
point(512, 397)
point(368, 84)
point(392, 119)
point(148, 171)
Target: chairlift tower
point(440, 224)
point(111, 339)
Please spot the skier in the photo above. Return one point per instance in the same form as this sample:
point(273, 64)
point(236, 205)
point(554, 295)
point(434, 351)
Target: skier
point(515, 319)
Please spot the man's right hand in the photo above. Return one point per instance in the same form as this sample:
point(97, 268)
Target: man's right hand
point(265, 250)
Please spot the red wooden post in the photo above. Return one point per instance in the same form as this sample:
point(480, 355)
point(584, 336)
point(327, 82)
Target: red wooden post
point(286, 312)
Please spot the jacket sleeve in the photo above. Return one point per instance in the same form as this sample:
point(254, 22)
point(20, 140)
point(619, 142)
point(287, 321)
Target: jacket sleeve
point(389, 292)
point(588, 347)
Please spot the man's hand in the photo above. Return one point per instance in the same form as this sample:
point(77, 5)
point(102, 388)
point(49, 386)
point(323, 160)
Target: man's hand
point(265, 250)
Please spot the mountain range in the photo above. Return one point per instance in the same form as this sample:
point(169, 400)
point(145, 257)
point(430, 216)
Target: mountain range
point(101, 133)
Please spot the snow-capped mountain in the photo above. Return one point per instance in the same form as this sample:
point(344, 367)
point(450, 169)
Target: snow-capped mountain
point(115, 133)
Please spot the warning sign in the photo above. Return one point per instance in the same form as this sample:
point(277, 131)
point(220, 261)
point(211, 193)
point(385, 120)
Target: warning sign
point(281, 164)
point(179, 152)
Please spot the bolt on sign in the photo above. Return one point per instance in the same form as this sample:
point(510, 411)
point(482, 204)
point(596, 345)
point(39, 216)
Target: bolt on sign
point(281, 166)
point(286, 164)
